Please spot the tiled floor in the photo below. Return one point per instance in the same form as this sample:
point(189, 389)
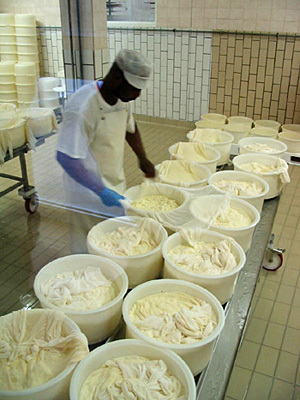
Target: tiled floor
point(267, 363)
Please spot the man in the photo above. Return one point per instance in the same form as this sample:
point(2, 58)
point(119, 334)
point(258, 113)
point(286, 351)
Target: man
point(97, 120)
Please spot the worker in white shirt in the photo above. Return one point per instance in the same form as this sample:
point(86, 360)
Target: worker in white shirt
point(97, 121)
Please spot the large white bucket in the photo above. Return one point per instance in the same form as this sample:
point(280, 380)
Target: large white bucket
point(7, 19)
point(25, 68)
point(96, 324)
point(140, 268)
point(7, 39)
point(126, 348)
point(196, 355)
point(238, 131)
point(278, 147)
point(222, 286)
point(7, 110)
point(257, 201)
point(264, 132)
point(242, 235)
point(40, 120)
point(48, 83)
point(214, 117)
point(208, 123)
point(291, 139)
point(25, 19)
point(241, 120)
point(267, 123)
point(272, 178)
point(8, 96)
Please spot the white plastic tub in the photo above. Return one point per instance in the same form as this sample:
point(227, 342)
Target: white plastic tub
point(212, 153)
point(291, 127)
point(25, 68)
point(7, 87)
point(196, 355)
point(54, 389)
point(7, 68)
point(26, 88)
point(207, 123)
point(8, 96)
point(241, 120)
point(223, 147)
point(279, 147)
point(291, 139)
point(27, 48)
point(123, 348)
point(48, 83)
point(28, 57)
point(6, 29)
point(140, 268)
point(267, 123)
point(221, 286)
point(8, 48)
point(12, 134)
point(96, 324)
point(26, 39)
point(7, 110)
point(40, 120)
point(272, 178)
point(201, 171)
point(9, 56)
point(27, 97)
point(28, 104)
point(7, 39)
point(215, 117)
point(48, 95)
point(25, 19)
point(238, 131)
point(257, 201)
point(26, 80)
point(7, 79)
point(242, 235)
point(25, 30)
point(7, 19)
point(264, 132)
point(50, 103)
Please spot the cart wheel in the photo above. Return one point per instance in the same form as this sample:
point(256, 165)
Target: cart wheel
point(31, 204)
point(274, 264)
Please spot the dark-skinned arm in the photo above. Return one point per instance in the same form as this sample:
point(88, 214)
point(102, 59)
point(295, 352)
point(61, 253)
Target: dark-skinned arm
point(135, 142)
point(76, 169)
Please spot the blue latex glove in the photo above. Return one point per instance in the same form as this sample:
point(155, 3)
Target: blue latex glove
point(111, 198)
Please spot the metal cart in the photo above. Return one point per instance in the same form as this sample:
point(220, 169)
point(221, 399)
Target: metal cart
point(27, 191)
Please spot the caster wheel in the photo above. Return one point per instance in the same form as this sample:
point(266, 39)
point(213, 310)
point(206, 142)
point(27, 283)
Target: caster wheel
point(274, 264)
point(31, 204)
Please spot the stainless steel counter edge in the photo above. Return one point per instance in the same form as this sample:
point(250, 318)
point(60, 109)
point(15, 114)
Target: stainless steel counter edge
point(213, 381)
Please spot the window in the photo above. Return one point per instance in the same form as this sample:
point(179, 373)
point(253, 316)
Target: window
point(131, 10)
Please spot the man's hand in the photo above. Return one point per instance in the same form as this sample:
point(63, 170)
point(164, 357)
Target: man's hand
point(147, 167)
point(111, 198)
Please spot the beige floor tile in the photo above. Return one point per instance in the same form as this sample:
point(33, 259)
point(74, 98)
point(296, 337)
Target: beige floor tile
point(293, 262)
point(298, 377)
point(256, 330)
point(280, 313)
point(287, 231)
point(247, 354)
point(269, 290)
point(296, 395)
point(296, 300)
point(291, 341)
point(263, 308)
point(260, 387)
point(294, 320)
point(275, 276)
point(274, 335)
point(285, 294)
point(287, 367)
point(281, 390)
point(239, 382)
point(290, 277)
point(267, 360)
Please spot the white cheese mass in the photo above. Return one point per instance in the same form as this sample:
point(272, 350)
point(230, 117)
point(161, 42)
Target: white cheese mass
point(174, 317)
point(260, 148)
point(156, 203)
point(191, 151)
point(82, 289)
point(35, 348)
point(178, 171)
point(206, 258)
point(130, 241)
point(232, 218)
point(132, 378)
point(239, 188)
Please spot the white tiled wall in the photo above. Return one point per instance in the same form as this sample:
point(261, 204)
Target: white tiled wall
point(50, 49)
point(179, 88)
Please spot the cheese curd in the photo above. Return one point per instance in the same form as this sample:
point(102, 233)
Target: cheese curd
point(260, 148)
point(239, 188)
point(83, 289)
point(205, 258)
point(132, 377)
point(174, 317)
point(34, 348)
point(232, 218)
point(156, 203)
point(126, 241)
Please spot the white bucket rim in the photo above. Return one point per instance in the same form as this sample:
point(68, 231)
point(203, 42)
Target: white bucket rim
point(87, 312)
point(265, 140)
point(258, 155)
point(137, 257)
point(291, 140)
point(213, 144)
point(213, 277)
point(172, 346)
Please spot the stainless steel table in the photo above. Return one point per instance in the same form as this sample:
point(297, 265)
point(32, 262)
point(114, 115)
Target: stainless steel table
point(213, 381)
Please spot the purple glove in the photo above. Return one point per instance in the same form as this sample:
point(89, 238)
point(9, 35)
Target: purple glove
point(111, 198)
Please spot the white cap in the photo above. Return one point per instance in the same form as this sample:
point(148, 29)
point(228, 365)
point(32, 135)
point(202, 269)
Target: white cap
point(136, 68)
